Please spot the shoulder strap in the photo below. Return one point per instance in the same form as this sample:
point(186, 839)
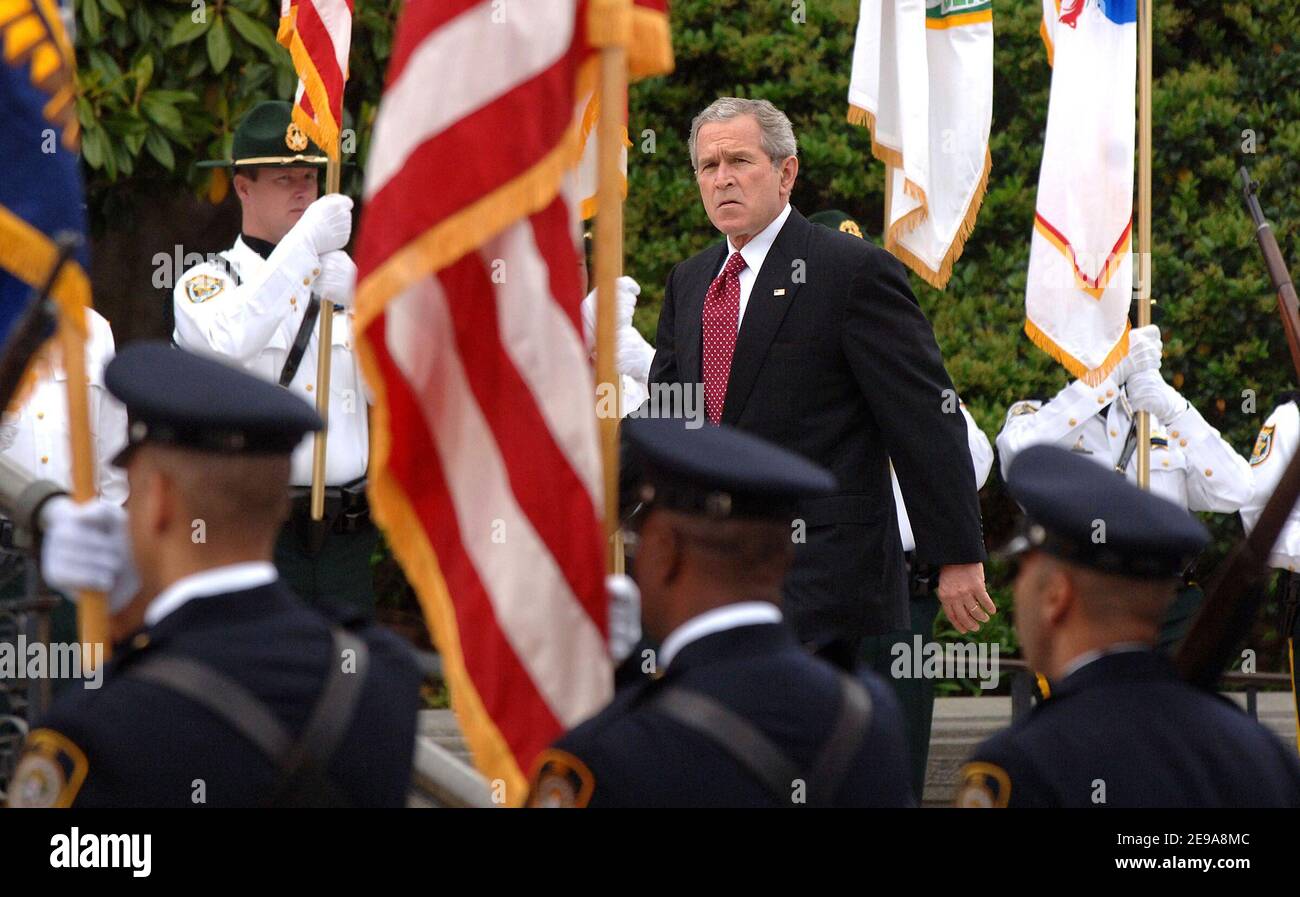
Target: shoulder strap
point(735, 735)
point(307, 781)
point(222, 696)
point(841, 747)
point(300, 341)
point(303, 764)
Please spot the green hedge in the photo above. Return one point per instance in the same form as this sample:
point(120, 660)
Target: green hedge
point(160, 91)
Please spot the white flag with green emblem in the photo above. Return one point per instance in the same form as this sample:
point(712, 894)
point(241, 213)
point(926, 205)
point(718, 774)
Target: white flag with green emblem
point(922, 82)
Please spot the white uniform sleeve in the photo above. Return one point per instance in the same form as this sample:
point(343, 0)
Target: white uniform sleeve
point(1218, 479)
point(1034, 423)
point(1274, 447)
point(981, 452)
point(216, 317)
point(108, 415)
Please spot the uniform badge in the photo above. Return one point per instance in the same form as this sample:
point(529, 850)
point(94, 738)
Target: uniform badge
point(561, 780)
point(50, 773)
point(202, 287)
point(1019, 408)
point(849, 226)
point(294, 138)
point(1263, 446)
point(983, 785)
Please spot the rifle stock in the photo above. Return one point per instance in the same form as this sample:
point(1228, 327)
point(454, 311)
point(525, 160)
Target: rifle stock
point(1235, 595)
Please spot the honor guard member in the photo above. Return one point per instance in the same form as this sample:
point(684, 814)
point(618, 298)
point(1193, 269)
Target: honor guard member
point(1191, 465)
point(35, 436)
point(742, 715)
point(915, 695)
point(224, 689)
point(1099, 561)
point(256, 305)
point(1274, 447)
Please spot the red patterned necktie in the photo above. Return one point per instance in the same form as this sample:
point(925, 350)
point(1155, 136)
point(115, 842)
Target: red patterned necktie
point(721, 321)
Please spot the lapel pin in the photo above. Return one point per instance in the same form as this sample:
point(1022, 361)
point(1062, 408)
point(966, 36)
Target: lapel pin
point(780, 292)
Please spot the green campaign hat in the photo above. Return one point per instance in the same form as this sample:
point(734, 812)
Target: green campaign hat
point(836, 220)
point(267, 136)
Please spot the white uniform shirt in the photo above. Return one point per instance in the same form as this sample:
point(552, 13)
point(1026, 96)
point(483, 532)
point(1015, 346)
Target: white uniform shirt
point(253, 324)
point(1274, 448)
point(981, 455)
point(1191, 465)
point(39, 433)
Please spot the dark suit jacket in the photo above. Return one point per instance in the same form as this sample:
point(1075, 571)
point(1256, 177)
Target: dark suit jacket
point(1125, 728)
point(844, 369)
point(639, 757)
point(144, 745)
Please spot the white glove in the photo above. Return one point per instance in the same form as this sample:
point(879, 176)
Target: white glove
point(337, 280)
point(325, 225)
point(1144, 349)
point(87, 546)
point(626, 290)
point(624, 616)
point(8, 431)
point(633, 354)
point(1147, 391)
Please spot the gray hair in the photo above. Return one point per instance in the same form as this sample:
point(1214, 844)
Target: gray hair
point(778, 136)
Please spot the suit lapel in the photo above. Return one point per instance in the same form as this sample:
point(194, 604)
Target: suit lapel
point(765, 312)
point(692, 314)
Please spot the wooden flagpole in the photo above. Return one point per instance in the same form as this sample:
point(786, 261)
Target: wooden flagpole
point(1144, 217)
point(323, 355)
point(92, 607)
point(610, 29)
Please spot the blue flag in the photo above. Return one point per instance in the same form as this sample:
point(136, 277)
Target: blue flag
point(40, 182)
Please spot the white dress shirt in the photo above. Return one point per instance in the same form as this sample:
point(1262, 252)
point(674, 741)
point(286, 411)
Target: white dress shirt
point(720, 619)
point(37, 437)
point(206, 583)
point(754, 253)
point(1088, 657)
point(253, 325)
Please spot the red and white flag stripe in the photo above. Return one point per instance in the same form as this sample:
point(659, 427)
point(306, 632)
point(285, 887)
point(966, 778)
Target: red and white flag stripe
point(486, 473)
point(318, 35)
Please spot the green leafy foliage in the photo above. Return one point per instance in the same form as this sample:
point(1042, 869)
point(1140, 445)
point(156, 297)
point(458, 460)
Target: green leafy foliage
point(164, 82)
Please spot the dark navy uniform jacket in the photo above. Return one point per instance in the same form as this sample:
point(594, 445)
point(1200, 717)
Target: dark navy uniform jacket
point(133, 743)
point(631, 755)
point(1125, 728)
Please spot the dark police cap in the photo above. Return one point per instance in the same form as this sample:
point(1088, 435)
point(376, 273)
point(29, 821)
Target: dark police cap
point(1085, 513)
point(267, 136)
point(720, 472)
point(177, 398)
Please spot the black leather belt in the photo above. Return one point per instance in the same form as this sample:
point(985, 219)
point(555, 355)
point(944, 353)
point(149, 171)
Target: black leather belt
point(347, 510)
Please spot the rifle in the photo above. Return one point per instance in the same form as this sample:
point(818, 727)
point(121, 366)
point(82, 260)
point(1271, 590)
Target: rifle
point(1236, 593)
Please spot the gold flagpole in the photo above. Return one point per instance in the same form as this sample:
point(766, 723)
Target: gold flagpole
point(1144, 217)
point(610, 27)
point(92, 607)
point(323, 355)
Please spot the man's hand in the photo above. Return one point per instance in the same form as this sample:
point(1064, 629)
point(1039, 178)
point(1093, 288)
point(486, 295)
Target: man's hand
point(87, 547)
point(1144, 350)
point(965, 600)
point(337, 280)
point(326, 225)
point(624, 616)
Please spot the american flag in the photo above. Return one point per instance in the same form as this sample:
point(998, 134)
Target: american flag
point(486, 473)
point(318, 34)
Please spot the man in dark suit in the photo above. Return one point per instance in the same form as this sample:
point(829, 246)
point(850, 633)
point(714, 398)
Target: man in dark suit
point(1099, 564)
point(224, 688)
point(742, 715)
point(812, 339)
